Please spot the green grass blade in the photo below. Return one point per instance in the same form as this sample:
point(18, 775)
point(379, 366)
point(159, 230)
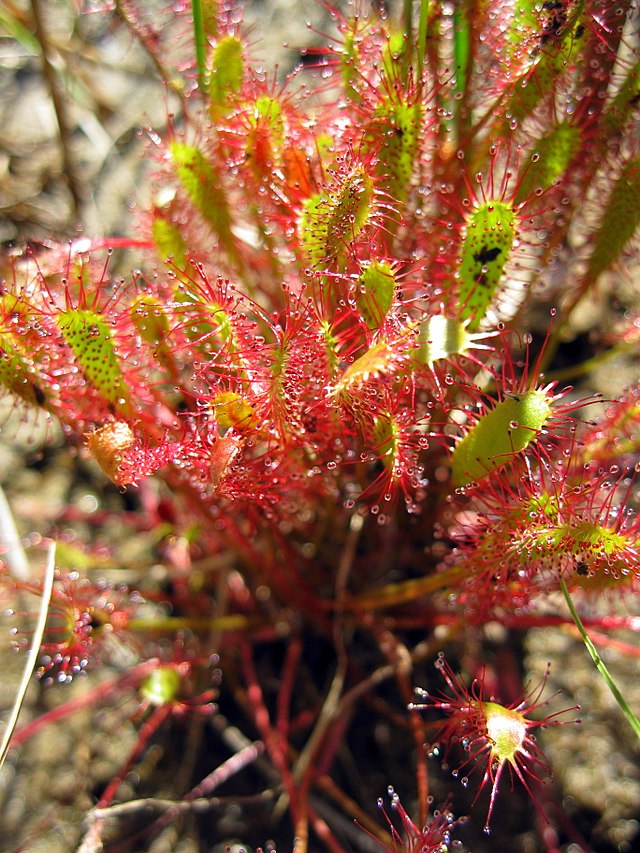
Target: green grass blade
point(422, 35)
point(32, 658)
point(200, 42)
point(16, 30)
point(461, 48)
point(407, 15)
point(461, 55)
point(634, 722)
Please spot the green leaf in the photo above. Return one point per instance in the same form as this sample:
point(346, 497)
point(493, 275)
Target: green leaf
point(225, 75)
point(488, 240)
point(18, 375)
point(375, 294)
point(89, 336)
point(620, 219)
point(204, 186)
point(332, 219)
point(504, 431)
point(549, 158)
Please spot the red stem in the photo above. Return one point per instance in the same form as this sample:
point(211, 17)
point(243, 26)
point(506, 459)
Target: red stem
point(147, 730)
point(91, 697)
point(277, 746)
point(287, 685)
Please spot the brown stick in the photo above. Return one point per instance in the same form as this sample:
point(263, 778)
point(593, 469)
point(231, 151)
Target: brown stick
point(60, 108)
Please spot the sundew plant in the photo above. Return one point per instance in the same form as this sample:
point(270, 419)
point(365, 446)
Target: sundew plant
point(338, 398)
